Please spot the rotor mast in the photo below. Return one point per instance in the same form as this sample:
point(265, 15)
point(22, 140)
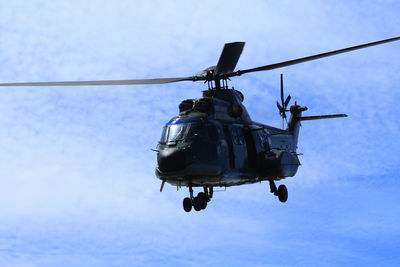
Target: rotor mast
point(218, 83)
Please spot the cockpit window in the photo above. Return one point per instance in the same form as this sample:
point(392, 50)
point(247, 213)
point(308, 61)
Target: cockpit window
point(196, 129)
point(177, 132)
point(163, 138)
point(180, 130)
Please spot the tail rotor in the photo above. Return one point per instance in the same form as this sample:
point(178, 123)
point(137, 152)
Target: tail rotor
point(284, 104)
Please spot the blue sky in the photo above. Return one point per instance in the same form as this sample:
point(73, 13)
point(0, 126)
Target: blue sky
point(77, 184)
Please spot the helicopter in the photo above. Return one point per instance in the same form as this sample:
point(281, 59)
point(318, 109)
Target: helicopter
point(213, 142)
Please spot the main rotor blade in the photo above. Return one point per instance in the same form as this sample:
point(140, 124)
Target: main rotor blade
point(108, 82)
point(313, 57)
point(229, 57)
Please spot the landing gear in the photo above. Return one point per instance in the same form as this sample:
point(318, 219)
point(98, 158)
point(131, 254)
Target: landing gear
point(203, 199)
point(281, 191)
point(199, 202)
point(187, 204)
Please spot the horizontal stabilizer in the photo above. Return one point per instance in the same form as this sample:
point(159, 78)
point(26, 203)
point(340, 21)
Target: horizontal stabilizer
point(319, 117)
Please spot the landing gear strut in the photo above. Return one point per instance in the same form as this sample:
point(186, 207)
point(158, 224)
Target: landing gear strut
point(281, 191)
point(200, 201)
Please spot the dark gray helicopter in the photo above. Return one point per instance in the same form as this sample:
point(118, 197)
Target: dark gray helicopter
point(213, 142)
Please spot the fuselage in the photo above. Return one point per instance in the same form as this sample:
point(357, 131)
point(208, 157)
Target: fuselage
point(213, 142)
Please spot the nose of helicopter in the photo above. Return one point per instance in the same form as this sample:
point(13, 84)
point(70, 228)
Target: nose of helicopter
point(171, 159)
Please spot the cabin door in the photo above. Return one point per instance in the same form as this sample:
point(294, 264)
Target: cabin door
point(239, 147)
point(251, 149)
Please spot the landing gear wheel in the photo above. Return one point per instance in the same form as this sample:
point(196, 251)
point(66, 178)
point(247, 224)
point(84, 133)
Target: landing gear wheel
point(282, 193)
point(203, 200)
point(197, 204)
point(187, 204)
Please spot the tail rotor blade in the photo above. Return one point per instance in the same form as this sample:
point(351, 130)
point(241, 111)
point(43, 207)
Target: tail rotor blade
point(287, 101)
point(279, 106)
point(282, 89)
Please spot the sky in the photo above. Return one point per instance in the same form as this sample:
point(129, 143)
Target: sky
point(77, 182)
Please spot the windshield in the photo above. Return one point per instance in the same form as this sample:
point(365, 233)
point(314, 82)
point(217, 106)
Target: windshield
point(163, 138)
point(176, 131)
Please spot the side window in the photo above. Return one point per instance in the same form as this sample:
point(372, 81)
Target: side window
point(195, 130)
point(237, 136)
point(264, 140)
point(241, 136)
